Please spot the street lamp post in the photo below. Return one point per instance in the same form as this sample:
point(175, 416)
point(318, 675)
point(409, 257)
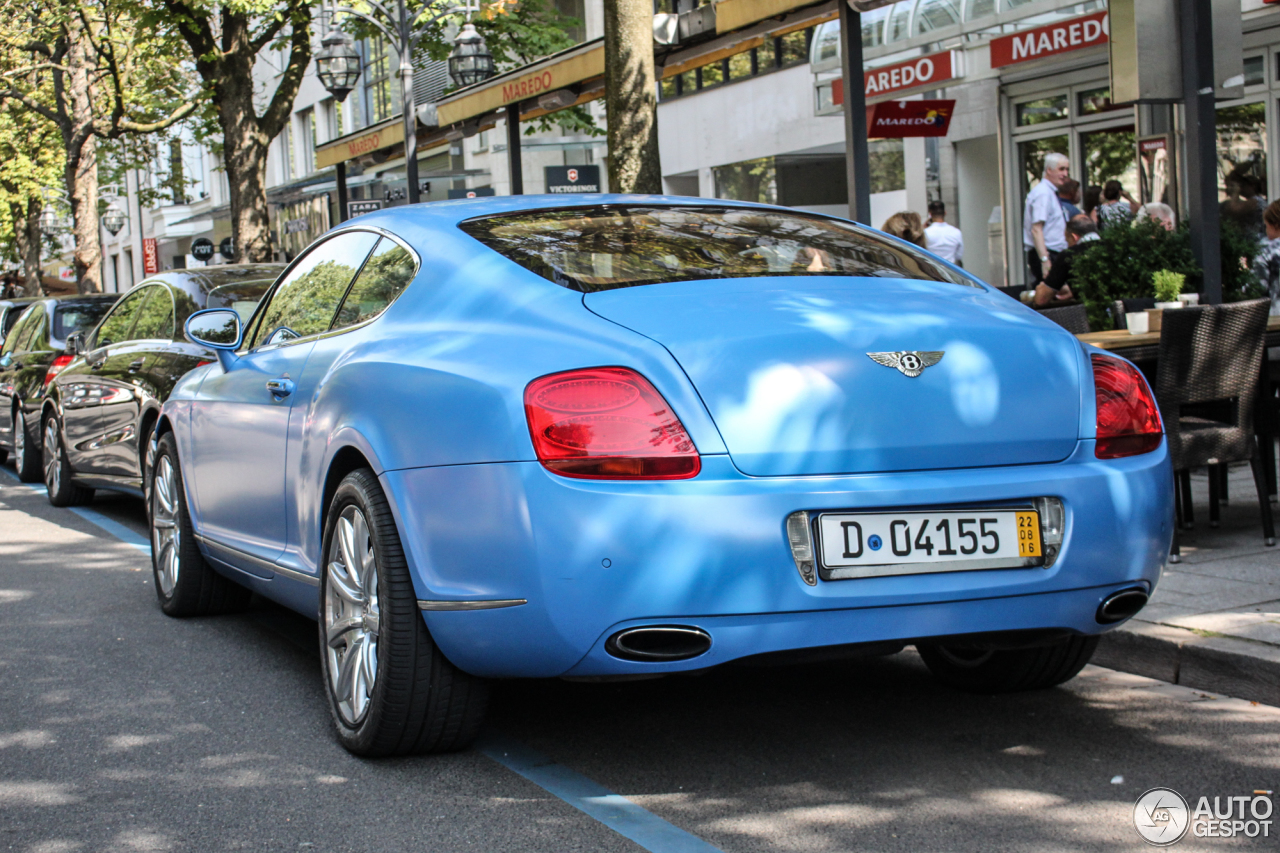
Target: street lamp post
point(338, 64)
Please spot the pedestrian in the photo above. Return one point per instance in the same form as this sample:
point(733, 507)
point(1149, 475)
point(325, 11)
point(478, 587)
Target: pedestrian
point(905, 224)
point(1160, 212)
point(1068, 197)
point(1092, 200)
point(1118, 207)
point(1243, 206)
point(1043, 222)
point(1081, 235)
point(8, 286)
point(1267, 262)
point(942, 238)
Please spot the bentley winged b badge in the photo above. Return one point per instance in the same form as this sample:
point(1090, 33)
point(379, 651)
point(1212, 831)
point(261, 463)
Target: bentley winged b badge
point(910, 362)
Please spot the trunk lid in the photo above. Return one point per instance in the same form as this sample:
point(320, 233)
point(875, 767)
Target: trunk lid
point(782, 365)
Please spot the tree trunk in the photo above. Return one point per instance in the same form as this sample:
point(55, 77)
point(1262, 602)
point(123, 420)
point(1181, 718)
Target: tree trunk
point(244, 155)
point(631, 101)
point(26, 227)
point(82, 165)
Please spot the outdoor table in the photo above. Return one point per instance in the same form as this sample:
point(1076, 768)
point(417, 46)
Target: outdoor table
point(1144, 350)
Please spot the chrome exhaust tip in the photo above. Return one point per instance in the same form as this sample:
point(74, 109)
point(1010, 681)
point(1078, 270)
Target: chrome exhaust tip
point(659, 643)
point(1119, 606)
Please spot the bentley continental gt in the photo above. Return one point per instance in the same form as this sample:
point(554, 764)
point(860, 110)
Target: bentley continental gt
point(617, 436)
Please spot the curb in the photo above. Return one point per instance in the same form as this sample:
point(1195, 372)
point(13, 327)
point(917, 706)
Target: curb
point(1240, 668)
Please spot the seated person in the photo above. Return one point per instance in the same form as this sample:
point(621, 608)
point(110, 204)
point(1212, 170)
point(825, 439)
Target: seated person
point(1080, 233)
point(1161, 213)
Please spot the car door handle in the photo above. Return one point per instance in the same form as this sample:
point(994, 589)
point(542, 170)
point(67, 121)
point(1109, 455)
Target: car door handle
point(135, 366)
point(280, 388)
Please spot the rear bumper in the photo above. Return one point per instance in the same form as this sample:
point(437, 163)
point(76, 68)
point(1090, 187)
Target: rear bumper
point(592, 558)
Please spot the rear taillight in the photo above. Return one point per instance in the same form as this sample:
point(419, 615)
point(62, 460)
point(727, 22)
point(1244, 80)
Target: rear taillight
point(1128, 417)
point(607, 423)
point(59, 364)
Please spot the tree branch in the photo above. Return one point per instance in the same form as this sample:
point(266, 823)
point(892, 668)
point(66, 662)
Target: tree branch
point(281, 106)
point(266, 36)
point(128, 126)
point(31, 104)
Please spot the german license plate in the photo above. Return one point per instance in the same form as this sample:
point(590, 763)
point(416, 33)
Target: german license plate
point(855, 545)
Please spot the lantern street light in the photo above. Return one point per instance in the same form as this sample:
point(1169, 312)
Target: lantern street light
point(51, 224)
point(338, 64)
point(114, 218)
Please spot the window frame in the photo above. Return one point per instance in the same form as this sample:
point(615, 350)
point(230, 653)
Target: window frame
point(251, 327)
point(173, 314)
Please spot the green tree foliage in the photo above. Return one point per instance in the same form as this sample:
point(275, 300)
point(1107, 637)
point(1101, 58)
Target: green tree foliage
point(1121, 264)
point(30, 160)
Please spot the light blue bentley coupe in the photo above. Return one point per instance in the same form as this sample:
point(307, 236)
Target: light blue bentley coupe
point(616, 436)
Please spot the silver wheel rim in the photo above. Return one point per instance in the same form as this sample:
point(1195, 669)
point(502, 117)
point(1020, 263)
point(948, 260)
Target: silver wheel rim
point(166, 535)
point(19, 436)
point(351, 616)
point(52, 470)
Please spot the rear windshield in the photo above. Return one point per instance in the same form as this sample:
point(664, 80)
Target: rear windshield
point(78, 317)
point(605, 248)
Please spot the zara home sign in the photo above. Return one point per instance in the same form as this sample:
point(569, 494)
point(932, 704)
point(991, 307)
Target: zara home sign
point(1072, 34)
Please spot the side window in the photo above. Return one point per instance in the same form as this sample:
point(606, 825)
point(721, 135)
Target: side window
point(155, 318)
point(306, 300)
point(20, 333)
point(117, 325)
point(387, 272)
point(37, 338)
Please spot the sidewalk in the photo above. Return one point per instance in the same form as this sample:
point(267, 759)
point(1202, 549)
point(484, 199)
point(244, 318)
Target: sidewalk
point(1214, 621)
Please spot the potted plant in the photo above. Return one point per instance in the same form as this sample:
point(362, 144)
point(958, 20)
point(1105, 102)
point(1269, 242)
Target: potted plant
point(1167, 285)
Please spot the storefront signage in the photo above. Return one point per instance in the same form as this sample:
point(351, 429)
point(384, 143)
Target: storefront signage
point(921, 71)
point(898, 119)
point(573, 179)
point(296, 226)
point(150, 256)
point(585, 63)
point(297, 223)
point(202, 249)
point(349, 149)
point(355, 208)
point(227, 248)
point(1072, 34)
point(475, 193)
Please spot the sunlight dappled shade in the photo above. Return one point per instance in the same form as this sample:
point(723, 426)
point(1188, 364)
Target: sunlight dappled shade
point(787, 408)
point(975, 384)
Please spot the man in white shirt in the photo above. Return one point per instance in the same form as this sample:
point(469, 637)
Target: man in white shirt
point(942, 239)
point(1044, 225)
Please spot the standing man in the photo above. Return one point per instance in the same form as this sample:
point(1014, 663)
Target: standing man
point(942, 239)
point(1044, 225)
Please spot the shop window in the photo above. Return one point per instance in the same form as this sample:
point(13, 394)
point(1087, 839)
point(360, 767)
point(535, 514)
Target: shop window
point(794, 47)
point(1242, 154)
point(980, 9)
point(1110, 155)
point(1031, 155)
point(1095, 101)
point(751, 180)
point(378, 79)
point(1052, 108)
point(740, 66)
point(1255, 70)
point(688, 82)
point(710, 75)
point(767, 55)
point(888, 166)
point(936, 14)
point(898, 26)
point(668, 87)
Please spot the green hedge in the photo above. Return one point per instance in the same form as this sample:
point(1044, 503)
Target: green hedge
point(1122, 261)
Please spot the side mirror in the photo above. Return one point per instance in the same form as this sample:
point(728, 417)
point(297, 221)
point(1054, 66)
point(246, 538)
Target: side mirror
point(218, 329)
point(75, 343)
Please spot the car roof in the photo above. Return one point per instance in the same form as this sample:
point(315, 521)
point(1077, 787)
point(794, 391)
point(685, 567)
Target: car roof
point(216, 276)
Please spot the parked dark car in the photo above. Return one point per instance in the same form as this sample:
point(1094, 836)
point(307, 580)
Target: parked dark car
point(10, 311)
point(97, 414)
point(32, 354)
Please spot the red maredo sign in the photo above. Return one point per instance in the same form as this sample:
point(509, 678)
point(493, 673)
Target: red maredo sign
point(1071, 34)
point(921, 71)
point(898, 119)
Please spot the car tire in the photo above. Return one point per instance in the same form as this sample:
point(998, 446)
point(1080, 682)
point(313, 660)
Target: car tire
point(391, 691)
point(26, 456)
point(185, 584)
point(1008, 670)
point(57, 469)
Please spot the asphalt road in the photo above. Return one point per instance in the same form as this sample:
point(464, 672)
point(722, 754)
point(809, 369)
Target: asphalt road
point(124, 730)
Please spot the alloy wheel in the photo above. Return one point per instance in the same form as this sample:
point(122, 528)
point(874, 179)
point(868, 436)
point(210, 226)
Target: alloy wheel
point(351, 616)
point(52, 457)
point(166, 533)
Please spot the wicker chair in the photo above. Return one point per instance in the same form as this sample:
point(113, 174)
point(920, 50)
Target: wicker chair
point(1207, 389)
point(1073, 318)
point(1122, 306)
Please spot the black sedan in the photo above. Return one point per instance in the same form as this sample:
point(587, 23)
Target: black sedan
point(97, 414)
point(10, 311)
point(32, 354)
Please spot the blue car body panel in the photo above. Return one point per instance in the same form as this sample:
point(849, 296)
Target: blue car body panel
point(430, 394)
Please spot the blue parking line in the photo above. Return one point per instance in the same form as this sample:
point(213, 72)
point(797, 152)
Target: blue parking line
point(613, 810)
point(92, 516)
